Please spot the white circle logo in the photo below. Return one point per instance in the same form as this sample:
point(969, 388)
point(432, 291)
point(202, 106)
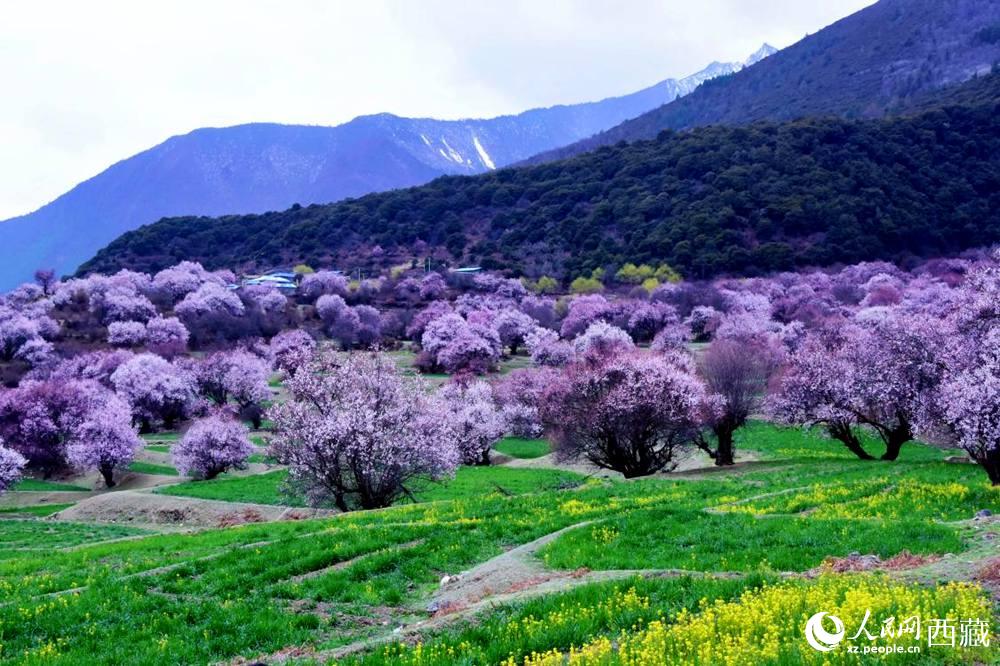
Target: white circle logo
point(821, 639)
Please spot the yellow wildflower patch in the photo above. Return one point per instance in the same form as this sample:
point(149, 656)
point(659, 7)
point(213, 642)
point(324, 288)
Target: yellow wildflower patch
point(768, 627)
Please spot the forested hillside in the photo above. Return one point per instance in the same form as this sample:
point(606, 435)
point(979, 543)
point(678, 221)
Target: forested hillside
point(717, 200)
point(878, 61)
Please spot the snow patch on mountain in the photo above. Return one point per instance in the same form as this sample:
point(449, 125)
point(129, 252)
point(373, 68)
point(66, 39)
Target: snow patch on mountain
point(483, 155)
point(452, 153)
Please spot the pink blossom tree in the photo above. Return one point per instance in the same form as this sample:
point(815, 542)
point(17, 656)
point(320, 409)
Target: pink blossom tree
point(235, 375)
point(519, 395)
point(166, 336)
point(969, 408)
point(703, 322)
point(738, 374)
point(455, 345)
point(37, 353)
point(266, 310)
point(513, 326)
point(645, 320)
point(126, 333)
point(407, 290)
point(808, 393)
point(96, 366)
point(357, 434)
point(368, 332)
point(432, 287)
point(105, 442)
point(11, 464)
point(291, 349)
point(211, 446)
point(541, 309)
point(510, 288)
point(321, 283)
point(121, 304)
point(601, 340)
point(966, 406)
point(546, 349)
point(670, 338)
point(630, 414)
point(39, 418)
point(584, 311)
point(174, 283)
point(156, 390)
point(23, 295)
point(475, 349)
point(477, 423)
point(340, 321)
point(877, 374)
point(16, 331)
point(211, 312)
point(46, 279)
point(417, 326)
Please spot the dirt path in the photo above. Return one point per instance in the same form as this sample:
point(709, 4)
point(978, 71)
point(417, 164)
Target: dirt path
point(516, 570)
point(513, 576)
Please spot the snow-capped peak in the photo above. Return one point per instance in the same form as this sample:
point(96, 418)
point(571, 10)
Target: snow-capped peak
point(758, 55)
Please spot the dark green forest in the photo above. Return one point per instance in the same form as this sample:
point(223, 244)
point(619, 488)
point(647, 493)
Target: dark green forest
point(714, 200)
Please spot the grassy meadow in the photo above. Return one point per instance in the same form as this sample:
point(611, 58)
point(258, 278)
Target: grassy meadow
point(637, 562)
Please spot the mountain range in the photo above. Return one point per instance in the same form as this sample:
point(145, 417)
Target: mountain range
point(870, 148)
point(746, 200)
point(261, 167)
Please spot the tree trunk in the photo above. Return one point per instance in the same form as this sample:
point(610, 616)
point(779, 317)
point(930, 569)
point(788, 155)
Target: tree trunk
point(843, 433)
point(991, 463)
point(724, 454)
point(108, 472)
point(485, 460)
point(895, 440)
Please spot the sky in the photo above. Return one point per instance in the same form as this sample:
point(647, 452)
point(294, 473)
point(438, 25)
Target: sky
point(86, 84)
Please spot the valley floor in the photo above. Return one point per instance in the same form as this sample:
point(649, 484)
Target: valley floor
point(523, 562)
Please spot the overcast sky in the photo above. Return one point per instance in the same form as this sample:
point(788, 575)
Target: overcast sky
point(85, 84)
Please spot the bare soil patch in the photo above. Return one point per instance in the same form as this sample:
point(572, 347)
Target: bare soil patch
point(141, 508)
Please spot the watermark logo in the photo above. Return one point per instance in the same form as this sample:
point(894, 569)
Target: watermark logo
point(821, 639)
point(896, 635)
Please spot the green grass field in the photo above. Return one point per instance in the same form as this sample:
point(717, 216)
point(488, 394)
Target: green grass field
point(36, 510)
point(162, 436)
point(257, 489)
point(43, 536)
point(307, 586)
point(474, 482)
point(516, 447)
point(469, 482)
point(152, 468)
